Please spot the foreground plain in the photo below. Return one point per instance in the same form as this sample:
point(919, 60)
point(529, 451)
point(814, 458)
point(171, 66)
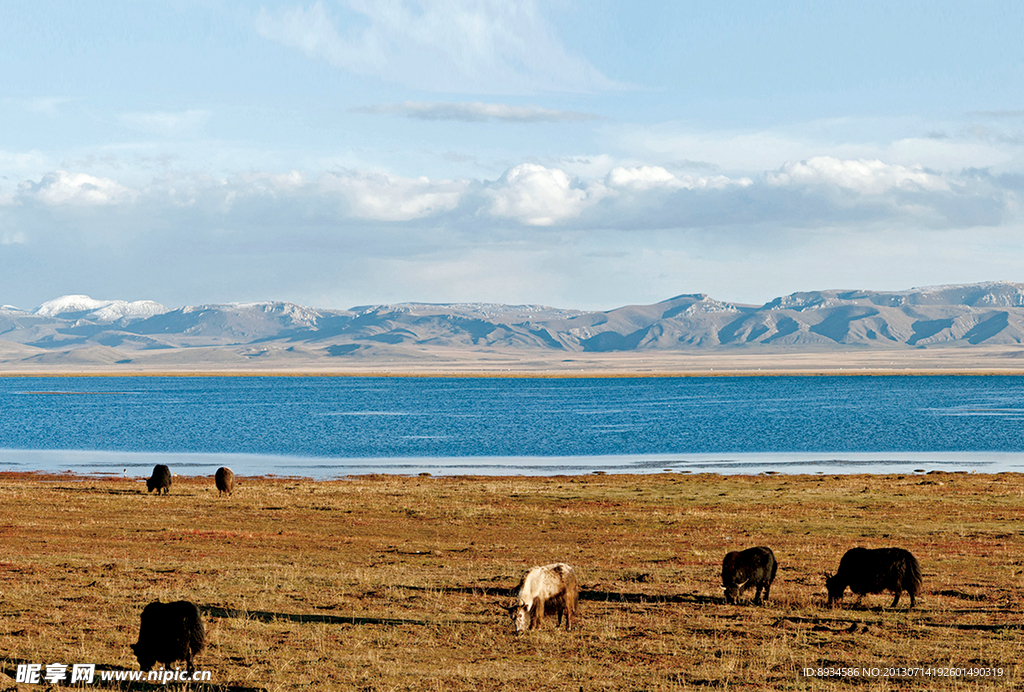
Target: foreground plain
point(395, 583)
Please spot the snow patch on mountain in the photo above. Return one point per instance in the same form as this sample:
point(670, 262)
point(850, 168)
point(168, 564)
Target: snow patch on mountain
point(84, 307)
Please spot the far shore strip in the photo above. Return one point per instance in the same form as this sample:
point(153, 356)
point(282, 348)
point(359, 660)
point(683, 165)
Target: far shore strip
point(71, 476)
point(979, 360)
point(529, 374)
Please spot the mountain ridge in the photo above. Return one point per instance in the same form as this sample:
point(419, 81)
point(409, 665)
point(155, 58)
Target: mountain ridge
point(79, 327)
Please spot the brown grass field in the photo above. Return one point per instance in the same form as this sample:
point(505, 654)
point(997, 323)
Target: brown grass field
point(397, 583)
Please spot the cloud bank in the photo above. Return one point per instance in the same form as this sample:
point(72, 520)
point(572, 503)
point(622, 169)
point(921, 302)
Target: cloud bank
point(536, 233)
point(61, 188)
point(819, 189)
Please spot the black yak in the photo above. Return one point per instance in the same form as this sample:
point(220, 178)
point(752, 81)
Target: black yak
point(742, 570)
point(169, 632)
point(160, 481)
point(867, 570)
point(225, 480)
point(551, 589)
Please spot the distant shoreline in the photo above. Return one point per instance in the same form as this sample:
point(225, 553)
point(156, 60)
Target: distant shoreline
point(742, 362)
point(199, 479)
point(138, 465)
point(527, 375)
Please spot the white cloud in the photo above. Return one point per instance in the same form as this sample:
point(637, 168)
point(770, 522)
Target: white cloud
point(474, 112)
point(452, 46)
point(910, 142)
point(222, 237)
point(63, 188)
point(383, 197)
point(642, 178)
point(820, 192)
point(540, 196)
point(865, 177)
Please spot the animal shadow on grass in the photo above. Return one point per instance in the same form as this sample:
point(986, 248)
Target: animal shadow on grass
point(268, 616)
point(627, 597)
point(592, 594)
point(98, 491)
point(9, 667)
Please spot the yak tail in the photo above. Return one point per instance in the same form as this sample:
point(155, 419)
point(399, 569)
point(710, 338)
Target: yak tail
point(912, 577)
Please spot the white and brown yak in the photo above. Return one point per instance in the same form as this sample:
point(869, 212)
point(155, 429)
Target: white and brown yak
point(548, 589)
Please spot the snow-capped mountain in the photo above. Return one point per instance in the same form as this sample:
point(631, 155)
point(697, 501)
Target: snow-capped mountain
point(83, 307)
point(120, 331)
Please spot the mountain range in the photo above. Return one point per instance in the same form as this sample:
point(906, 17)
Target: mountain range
point(79, 329)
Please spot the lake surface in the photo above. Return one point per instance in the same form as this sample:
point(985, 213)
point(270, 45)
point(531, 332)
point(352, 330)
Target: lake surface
point(334, 426)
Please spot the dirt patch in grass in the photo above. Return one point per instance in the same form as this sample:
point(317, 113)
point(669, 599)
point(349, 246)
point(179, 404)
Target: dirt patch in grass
point(395, 583)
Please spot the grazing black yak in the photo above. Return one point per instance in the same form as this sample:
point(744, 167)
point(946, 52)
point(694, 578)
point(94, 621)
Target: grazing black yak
point(867, 570)
point(225, 480)
point(548, 589)
point(169, 632)
point(160, 481)
point(742, 570)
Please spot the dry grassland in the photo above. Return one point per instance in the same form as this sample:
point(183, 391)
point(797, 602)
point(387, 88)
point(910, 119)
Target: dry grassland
point(393, 583)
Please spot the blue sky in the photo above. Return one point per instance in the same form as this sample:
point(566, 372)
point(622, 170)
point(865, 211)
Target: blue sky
point(576, 154)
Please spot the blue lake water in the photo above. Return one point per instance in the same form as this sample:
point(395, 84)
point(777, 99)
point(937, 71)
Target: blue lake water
point(334, 426)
